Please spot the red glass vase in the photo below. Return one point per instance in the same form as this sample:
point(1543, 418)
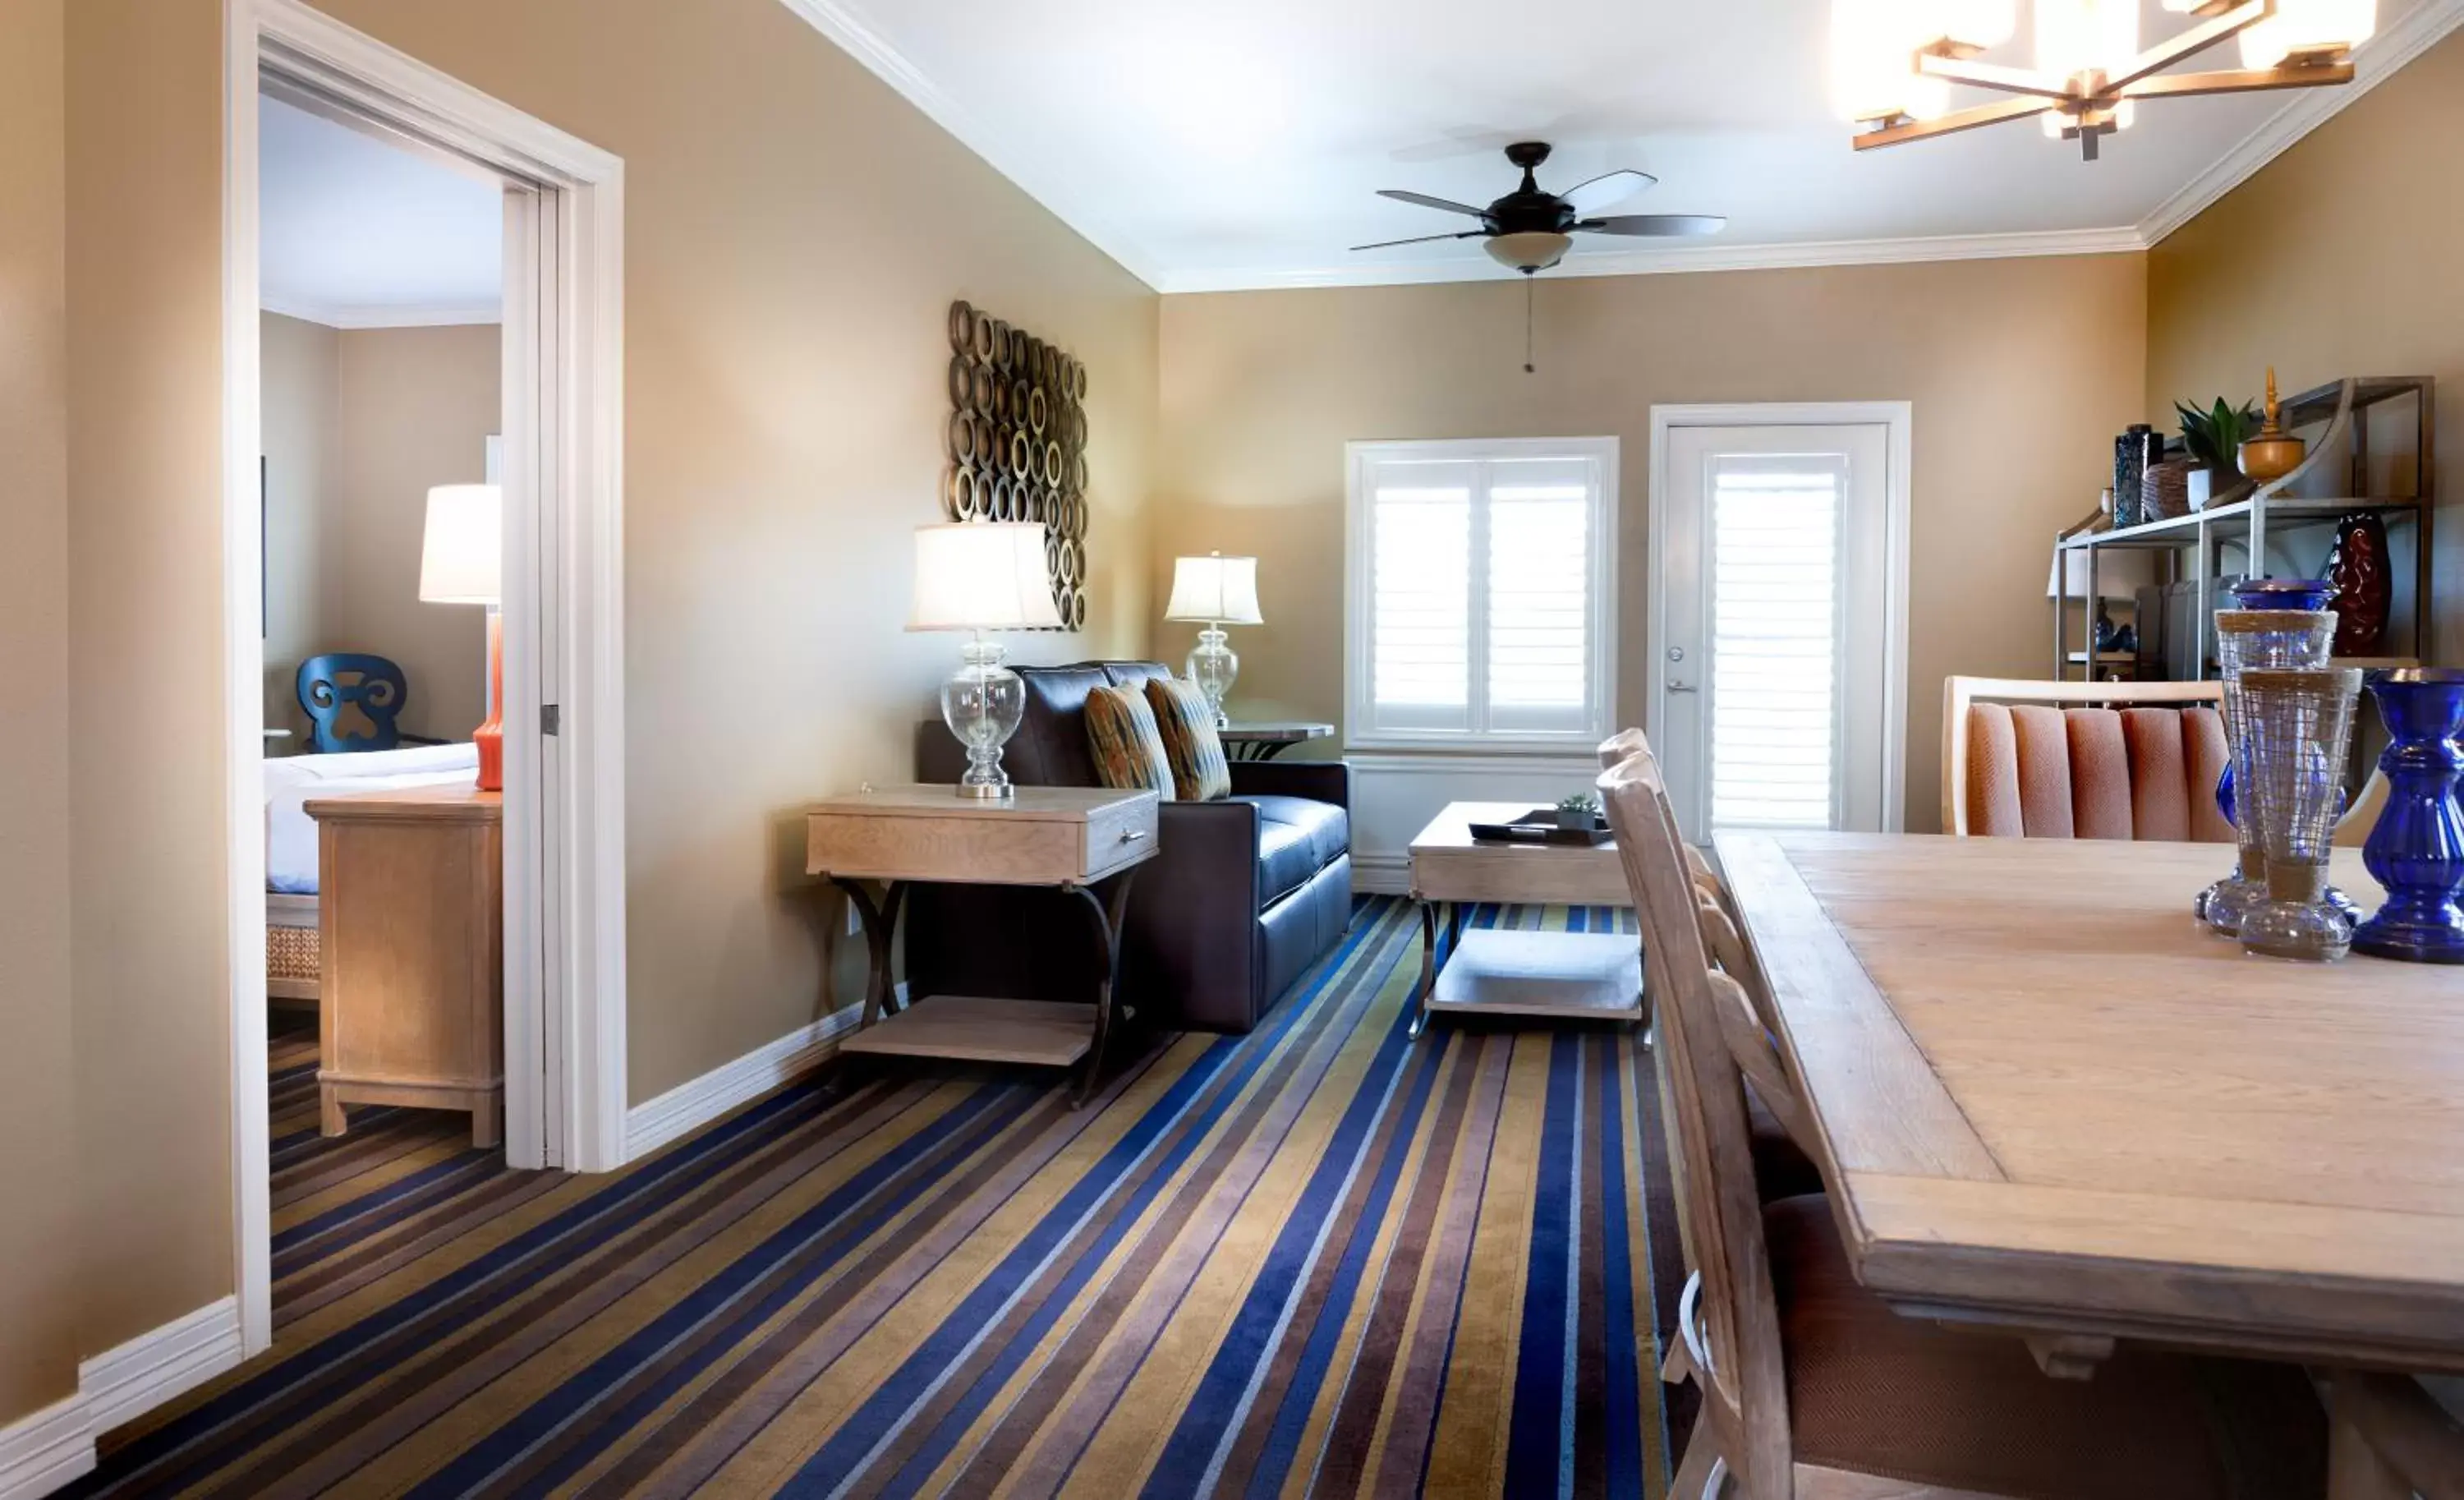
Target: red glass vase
point(2364, 584)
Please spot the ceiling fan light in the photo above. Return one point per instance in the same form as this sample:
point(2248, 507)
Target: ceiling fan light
point(2054, 123)
point(2309, 26)
point(1979, 23)
point(1873, 56)
point(1533, 250)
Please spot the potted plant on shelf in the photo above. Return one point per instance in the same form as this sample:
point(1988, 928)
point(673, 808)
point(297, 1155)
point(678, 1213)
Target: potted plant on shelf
point(2215, 440)
point(1580, 813)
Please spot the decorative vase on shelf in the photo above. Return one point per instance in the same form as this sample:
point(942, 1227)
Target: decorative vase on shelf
point(2364, 584)
point(2297, 725)
point(2251, 639)
point(2417, 850)
point(2274, 452)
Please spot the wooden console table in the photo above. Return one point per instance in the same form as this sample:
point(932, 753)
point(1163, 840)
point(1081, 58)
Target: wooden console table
point(411, 917)
point(1062, 837)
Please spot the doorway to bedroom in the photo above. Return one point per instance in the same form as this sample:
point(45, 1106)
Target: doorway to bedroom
point(422, 523)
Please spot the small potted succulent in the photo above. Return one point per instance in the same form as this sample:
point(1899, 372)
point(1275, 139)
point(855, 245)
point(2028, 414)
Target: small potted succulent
point(2215, 440)
point(1580, 813)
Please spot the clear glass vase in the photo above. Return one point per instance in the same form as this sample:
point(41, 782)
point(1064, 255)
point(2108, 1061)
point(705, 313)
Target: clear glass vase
point(2297, 724)
point(2246, 639)
point(982, 702)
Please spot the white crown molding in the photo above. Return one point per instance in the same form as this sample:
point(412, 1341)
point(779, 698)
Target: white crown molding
point(1673, 260)
point(2422, 27)
point(350, 319)
point(690, 1106)
point(41, 1453)
point(124, 1383)
point(1047, 184)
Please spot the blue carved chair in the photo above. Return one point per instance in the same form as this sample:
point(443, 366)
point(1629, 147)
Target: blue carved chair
point(354, 701)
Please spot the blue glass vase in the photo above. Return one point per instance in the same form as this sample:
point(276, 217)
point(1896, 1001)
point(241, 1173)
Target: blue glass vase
point(2417, 849)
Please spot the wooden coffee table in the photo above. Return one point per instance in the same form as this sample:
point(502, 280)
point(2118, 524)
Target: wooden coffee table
point(1566, 976)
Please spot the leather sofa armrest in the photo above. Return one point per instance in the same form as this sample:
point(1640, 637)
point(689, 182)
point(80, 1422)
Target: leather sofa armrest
point(1318, 781)
point(1207, 847)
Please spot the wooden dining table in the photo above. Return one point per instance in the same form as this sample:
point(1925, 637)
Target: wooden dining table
point(2050, 1102)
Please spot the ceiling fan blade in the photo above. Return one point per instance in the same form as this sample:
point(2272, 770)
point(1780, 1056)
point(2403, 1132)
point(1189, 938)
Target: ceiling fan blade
point(1655, 226)
point(1401, 195)
point(1423, 239)
point(1606, 192)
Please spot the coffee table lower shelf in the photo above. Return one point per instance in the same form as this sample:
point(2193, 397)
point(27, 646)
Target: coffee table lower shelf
point(969, 1028)
point(1539, 976)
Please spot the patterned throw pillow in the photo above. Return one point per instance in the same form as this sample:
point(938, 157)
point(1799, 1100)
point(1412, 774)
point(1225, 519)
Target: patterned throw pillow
point(1199, 771)
point(1128, 748)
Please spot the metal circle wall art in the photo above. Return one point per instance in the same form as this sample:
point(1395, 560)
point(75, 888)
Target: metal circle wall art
point(1017, 443)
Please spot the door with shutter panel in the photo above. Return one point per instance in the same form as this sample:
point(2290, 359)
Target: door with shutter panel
point(1771, 667)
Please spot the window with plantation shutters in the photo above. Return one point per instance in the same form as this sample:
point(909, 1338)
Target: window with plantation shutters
point(1481, 596)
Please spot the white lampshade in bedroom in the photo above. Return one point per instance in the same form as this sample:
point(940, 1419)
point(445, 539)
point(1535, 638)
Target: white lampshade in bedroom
point(461, 560)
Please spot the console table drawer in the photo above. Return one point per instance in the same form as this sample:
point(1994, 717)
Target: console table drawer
point(1045, 836)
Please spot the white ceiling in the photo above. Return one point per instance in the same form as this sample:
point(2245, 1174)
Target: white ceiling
point(1218, 146)
point(356, 232)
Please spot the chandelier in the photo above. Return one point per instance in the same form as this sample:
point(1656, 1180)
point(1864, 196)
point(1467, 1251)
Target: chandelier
point(1894, 61)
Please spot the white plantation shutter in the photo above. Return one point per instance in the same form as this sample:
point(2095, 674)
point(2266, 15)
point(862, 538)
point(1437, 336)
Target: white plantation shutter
point(1479, 607)
point(1774, 545)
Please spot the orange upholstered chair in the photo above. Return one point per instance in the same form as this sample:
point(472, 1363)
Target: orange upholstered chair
point(2082, 759)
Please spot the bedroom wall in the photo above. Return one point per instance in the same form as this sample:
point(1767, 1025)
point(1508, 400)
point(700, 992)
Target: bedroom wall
point(301, 391)
point(38, 1178)
point(415, 409)
point(2338, 258)
point(784, 366)
point(2014, 432)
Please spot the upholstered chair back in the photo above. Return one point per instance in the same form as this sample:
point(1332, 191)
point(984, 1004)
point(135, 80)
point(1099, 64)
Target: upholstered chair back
point(2087, 761)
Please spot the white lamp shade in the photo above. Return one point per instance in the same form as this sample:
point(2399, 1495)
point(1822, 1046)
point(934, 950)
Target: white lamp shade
point(2118, 574)
point(1216, 589)
point(461, 559)
point(982, 576)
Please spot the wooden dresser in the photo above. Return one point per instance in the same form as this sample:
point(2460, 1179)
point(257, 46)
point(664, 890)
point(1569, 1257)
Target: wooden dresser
point(413, 931)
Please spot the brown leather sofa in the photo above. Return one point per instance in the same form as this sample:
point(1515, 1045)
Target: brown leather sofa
point(1241, 898)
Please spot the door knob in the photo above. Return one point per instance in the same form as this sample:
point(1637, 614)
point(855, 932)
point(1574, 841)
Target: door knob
point(1675, 686)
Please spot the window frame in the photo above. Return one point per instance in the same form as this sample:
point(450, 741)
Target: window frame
point(1601, 457)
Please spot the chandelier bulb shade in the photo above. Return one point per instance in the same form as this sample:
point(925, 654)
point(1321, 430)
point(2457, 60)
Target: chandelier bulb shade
point(1908, 70)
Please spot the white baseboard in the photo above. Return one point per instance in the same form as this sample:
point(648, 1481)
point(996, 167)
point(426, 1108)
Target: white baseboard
point(124, 1383)
point(40, 1453)
point(1381, 875)
point(687, 1107)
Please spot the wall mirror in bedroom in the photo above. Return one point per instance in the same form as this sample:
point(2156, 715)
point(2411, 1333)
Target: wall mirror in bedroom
point(423, 511)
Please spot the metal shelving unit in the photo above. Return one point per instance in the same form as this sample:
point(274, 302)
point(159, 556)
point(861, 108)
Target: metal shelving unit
point(2197, 540)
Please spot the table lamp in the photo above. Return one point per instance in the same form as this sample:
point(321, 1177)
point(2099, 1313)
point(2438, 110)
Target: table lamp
point(1216, 591)
point(461, 562)
point(980, 576)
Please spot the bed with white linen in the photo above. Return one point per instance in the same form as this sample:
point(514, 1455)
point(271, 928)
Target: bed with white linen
point(291, 944)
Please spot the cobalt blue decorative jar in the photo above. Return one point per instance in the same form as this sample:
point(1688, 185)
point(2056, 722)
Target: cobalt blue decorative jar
point(2417, 849)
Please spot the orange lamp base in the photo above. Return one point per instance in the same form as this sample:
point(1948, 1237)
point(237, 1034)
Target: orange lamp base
point(490, 736)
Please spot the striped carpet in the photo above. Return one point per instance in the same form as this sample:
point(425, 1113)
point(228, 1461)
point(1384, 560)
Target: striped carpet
point(1321, 1259)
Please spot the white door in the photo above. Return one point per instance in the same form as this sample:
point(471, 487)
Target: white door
point(1774, 689)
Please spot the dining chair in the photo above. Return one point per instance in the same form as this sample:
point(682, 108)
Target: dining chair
point(353, 700)
point(1812, 1388)
point(1624, 745)
point(2096, 760)
point(2388, 1439)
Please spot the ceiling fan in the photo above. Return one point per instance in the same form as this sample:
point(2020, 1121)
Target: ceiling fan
point(1529, 231)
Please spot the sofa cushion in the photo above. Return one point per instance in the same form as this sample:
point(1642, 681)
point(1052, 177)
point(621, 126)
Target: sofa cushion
point(1199, 771)
point(1297, 839)
point(1126, 747)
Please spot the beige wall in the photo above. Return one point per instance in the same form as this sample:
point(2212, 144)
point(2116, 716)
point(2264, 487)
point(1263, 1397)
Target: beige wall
point(38, 1226)
point(794, 234)
point(302, 422)
point(416, 407)
point(358, 425)
point(2341, 257)
point(2020, 371)
point(145, 661)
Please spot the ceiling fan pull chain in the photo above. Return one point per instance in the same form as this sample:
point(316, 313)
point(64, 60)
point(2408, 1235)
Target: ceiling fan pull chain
point(1529, 283)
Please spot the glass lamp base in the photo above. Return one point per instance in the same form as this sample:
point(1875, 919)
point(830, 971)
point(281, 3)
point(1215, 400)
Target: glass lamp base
point(982, 703)
point(1212, 666)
